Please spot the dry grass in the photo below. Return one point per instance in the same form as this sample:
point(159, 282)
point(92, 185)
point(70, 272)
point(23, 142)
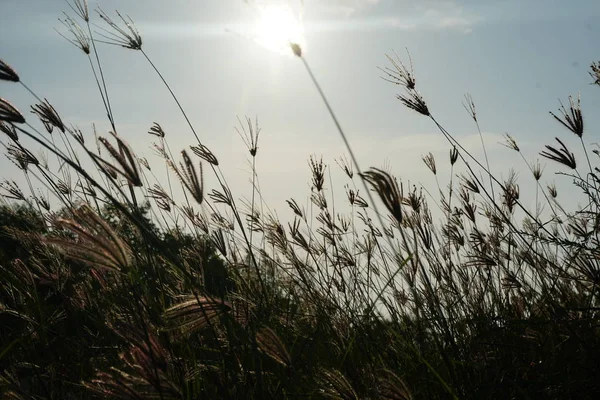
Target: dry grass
point(110, 296)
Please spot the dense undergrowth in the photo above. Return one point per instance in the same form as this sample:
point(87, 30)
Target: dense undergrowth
point(134, 289)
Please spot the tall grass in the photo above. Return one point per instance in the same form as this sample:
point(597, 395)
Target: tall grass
point(126, 292)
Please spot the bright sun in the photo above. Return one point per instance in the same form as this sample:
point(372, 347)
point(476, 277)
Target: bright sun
point(277, 28)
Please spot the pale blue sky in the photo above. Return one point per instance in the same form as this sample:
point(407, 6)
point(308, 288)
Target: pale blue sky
point(516, 58)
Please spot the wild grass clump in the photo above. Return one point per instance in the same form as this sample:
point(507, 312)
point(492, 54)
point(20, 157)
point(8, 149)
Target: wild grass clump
point(135, 288)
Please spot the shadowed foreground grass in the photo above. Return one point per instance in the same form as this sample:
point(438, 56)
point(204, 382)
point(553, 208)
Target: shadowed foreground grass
point(126, 292)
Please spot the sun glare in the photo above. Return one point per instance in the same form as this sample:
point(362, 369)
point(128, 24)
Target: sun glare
point(277, 28)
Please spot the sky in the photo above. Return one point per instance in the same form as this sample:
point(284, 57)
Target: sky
point(516, 58)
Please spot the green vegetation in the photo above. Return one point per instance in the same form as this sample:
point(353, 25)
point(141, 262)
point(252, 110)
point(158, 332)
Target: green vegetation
point(128, 293)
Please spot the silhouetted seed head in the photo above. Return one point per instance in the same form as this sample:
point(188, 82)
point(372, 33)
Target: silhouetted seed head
point(77, 134)
point(425, 235)
point(144, 162)
point(11, 190)
point(63, 188)
point(399, 74)
point(470, 211)
point(595, 72)
point(163, 201)
point(157, 130)
point(295, 207)
point(469, 105)
point(354, 198)
point(192, 181)
point(42, 201)
point(387, 189)
point(250, 136)
point(346, 166)
point(537, 170)
point(224, 197)
point(254, 222)
point(9, 113)
point(124, 157)
point(296, 49)
point(7, 73)
point(319, 200)
point(562, 155)
point(414, 199)
point(20, 156)
point(510, 191)
point(48, 115)
point(80, 7)
point(10, 131)
point(127, 37)
point(571, 119)
point(453, 155)
point(552, 190)
point(204, 153)
point(470, 184)
point(221, 222)
point(318, 173)
point(80, 39)
point(429, 160)
point(414, 101)
point(218, 241)
point(510, 143)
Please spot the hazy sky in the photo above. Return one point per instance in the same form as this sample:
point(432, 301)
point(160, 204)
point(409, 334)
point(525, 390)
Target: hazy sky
point(515, 57)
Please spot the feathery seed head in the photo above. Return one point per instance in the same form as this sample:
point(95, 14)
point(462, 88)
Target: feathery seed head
point(537, 170)
point(595, 72)
point(11, 190)
point(510, 143)
point(48, 115)
point(127, 37)
point(429, 160)
point(10, 131)
point(318, 173)
point(157, 130)
point(453, 155)
point(7, 73)
point(573, 118)
point(80, 7)
point(469, 105)
point(295, 207)
point(562, 155)
point(249, 137)
point(387, 189)
point(413, 100)
point(270, 344)
point(346, 166)
point(192, 181)
point(552, 190)
point(80, 39)
point(354, 198)
point(20, 156)
point(204, 153)
point(9, 113)
point(399, 74)
point(124, 157)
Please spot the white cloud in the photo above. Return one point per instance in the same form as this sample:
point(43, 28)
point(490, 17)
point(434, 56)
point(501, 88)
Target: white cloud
point(345, 8)
point(404, 14)
point(450, 15)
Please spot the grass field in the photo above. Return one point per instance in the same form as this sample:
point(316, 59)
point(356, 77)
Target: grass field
point(139, 289)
